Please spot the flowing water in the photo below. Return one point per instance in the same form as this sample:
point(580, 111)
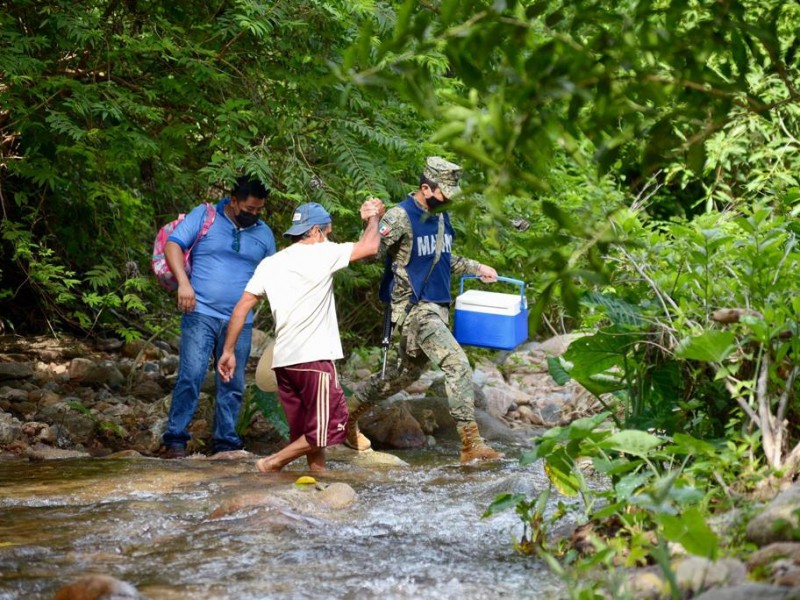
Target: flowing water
point(413, 532)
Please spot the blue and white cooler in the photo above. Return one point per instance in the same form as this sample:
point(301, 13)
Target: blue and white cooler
point(491, 319)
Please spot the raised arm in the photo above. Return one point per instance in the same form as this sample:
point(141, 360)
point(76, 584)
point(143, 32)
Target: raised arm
point(369, 244)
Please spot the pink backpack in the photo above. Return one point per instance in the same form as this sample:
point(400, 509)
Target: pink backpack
point(159, 263)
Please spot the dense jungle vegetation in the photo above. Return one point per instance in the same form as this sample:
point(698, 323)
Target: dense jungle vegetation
point(635, 162)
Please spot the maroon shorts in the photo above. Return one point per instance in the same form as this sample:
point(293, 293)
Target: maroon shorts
point(313, 401)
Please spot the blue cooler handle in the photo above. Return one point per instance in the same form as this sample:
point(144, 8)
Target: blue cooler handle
point(521, 285)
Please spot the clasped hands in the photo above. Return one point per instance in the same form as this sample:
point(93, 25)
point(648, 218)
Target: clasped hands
point(372, 208)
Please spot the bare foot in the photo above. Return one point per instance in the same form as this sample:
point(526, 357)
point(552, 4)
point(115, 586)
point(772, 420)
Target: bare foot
point(265, 465)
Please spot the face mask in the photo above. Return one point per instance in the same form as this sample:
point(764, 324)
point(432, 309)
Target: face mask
point(245, 219)
point(434, 203)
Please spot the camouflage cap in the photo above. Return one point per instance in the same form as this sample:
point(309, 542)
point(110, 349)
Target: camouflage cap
point(445, 174)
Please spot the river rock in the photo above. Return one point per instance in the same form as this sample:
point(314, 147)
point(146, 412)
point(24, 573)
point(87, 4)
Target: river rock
point(125, 454)
point(39, 432)
point(44, 397)
point(79, 368)
point(696, 574)
point(646, 584)
point(295, 502)
point(15, 370)
point(148, 389)
point(13, 395)
point(169, 364)
point(79, 427)
point(10, 428)
point(556, 345)
point(777, 551)
point(430, 411)
point(141, 350)
point(87, 372)
point(496, 430)
point(780, 561)
point(750, 591)
point(98, 587)
point(778, 521)
point(366, 459)
point(246, 502)
point(335, 496)
point(39, 452)
point(427, 421)
point(394, 427)
point(499, 397)
point(108, 344)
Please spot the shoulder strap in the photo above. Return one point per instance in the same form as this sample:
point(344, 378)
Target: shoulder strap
point(208, 221)
point(437, 254)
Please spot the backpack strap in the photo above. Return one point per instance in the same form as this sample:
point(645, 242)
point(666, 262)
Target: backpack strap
point(208, 221)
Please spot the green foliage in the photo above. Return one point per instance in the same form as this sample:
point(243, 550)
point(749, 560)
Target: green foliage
point(79, 406)
point(533, 514)
point(658, 324)
point(258, 401)
point(116, 116)
point(642, 86)
point(651, 488)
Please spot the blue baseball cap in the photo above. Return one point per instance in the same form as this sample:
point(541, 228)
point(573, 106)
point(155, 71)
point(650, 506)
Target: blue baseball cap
point(305, 217)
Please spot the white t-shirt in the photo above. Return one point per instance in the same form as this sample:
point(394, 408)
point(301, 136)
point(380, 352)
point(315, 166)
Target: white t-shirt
point(298, 282)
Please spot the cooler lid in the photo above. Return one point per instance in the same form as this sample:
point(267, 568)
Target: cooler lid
point(489, 299)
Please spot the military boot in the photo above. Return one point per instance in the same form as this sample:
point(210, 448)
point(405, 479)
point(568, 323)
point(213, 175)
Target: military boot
point(355, 439)
point(472, 445)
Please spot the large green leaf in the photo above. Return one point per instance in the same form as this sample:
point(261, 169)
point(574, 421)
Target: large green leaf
point(271, 408)
point(598, 361)
point(633, 442)
point(557, 371)
point(562, 473)
point(620, 313)
point(502, 503)
point(686, 444)
point(690, 530)
point(710, 346)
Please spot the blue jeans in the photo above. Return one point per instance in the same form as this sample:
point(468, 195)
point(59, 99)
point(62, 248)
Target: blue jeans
point(201, 337)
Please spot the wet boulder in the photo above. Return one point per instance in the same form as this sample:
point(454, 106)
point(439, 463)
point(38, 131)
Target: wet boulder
point(394, 427)
point(98, 587)
point(366, 459)
point(245, 502)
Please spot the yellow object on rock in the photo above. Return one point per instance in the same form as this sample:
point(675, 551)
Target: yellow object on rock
point(305, 480)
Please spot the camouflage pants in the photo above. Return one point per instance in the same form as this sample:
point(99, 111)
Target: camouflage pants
point(424, 337)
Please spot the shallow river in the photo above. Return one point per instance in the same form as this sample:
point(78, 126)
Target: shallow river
point(413, 532)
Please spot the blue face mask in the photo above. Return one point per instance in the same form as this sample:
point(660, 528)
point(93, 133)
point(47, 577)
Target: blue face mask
point(246, 219)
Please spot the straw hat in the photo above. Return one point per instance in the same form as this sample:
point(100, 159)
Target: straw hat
point(265, 376)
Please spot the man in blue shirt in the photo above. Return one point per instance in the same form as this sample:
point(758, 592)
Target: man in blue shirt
point(223, 261)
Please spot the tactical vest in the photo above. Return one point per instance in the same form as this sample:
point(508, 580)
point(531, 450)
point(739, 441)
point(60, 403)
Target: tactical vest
point(424, 227)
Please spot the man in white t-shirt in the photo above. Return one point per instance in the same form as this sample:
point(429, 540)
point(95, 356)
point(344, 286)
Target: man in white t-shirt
point(298, 282)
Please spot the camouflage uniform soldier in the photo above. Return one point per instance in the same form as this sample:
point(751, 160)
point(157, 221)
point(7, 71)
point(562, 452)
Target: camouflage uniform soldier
point(417, 281)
